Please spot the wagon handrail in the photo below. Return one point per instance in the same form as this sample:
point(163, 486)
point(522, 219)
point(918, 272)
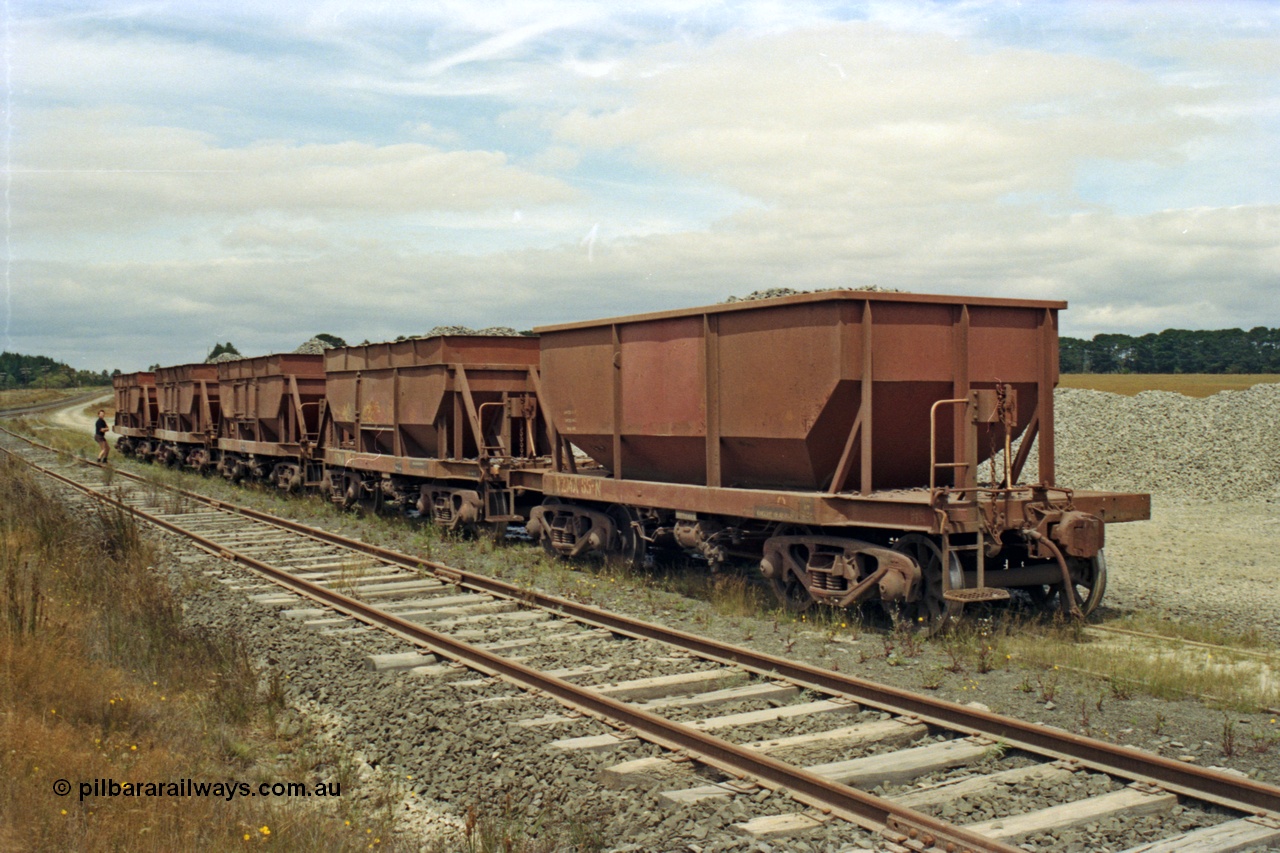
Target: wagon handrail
point(934, 465)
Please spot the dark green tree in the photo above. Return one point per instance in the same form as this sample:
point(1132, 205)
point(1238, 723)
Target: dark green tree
point(219, 349)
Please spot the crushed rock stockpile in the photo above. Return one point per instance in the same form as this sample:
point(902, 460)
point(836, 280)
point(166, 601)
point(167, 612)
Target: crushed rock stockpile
point(1225, 447)
point(315, 346)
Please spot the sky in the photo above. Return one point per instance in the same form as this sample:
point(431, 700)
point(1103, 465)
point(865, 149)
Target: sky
point(184, 173)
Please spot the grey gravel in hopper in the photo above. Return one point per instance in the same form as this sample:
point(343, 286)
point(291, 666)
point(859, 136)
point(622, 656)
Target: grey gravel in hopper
point(315, 346)
point(774, 292)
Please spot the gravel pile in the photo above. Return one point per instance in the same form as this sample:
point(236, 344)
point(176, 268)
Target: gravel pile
point(490, 331)
point(226, 356)
point(1222, 447)
point(315, 346)
point(773, 292)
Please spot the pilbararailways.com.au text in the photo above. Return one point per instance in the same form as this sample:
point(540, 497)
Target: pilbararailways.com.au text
point(228, 790)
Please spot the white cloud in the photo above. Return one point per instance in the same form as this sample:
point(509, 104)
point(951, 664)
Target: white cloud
point(378, 169)
point(95, 171)
point(913, 118)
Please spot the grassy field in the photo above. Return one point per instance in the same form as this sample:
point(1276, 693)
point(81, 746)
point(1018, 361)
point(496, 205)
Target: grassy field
point(1191, 384)
point(14, 398)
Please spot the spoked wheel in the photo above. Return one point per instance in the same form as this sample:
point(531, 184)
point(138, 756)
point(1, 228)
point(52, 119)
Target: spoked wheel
point(630, 549)
point(930, 611)
point(1088, 583)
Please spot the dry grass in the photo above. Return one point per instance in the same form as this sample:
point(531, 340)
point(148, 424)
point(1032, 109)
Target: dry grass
point(101, 679)
point(1239, 682)
point(1190, 384)
point(1219, 633)
point(13, 398)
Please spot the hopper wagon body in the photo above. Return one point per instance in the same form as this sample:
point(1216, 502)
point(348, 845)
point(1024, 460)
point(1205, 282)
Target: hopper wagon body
point(136, 412)
point(186, 432)
point(862, 445)
point(270, 426)
point(447, 425)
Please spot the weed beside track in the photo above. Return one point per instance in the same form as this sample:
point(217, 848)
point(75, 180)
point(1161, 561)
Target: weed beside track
point(100, 679)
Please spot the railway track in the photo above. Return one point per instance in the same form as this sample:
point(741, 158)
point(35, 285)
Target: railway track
point(857, 734)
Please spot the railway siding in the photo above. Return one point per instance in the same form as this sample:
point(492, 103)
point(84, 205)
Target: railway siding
point(946, 753)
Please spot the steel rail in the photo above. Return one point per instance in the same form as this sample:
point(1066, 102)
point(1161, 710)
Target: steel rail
point(1195, 644)
point(1241, 794)
point(833, 798)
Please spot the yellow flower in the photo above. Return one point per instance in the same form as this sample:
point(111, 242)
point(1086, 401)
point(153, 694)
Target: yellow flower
point(246, 836)
point(265, 831)
point(64, 811)
point(134, 747)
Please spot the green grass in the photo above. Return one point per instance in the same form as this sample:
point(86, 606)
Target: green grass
point(1216, 633)
point(1048, 647)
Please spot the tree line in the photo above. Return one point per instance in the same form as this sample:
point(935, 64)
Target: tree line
point(40, 371)
point(1175, 351)
point(1170, 351)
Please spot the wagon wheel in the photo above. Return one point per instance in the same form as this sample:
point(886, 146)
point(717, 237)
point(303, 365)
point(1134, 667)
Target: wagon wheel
point(545, 539)
point(630, 549)
point(1088, 583)
point(930, 611)
point(350, 492)
point(792, 587)
point(792, 591)
point(549, 548)
point(492, 531)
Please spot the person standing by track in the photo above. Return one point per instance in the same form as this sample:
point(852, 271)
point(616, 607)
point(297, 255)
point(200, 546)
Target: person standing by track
point(100, 435)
